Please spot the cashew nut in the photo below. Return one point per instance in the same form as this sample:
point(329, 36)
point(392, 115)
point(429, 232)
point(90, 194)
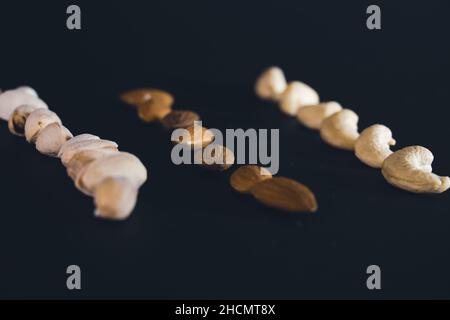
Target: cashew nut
point(18, 118)
point(270, 84)
point(11, 99)
point(341, 129)
point(410, 169)
point(38, 120)
point(312, 116)
point(297, 95)
point(115, 198)
point(51, 138)
point(373, 145)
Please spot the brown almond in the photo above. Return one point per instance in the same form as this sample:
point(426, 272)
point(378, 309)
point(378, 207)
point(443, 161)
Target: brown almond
point(285, 194)
point(199, 139)
point(180, 119)
point(136, 96)
point(153, 110)
point(245, 177)
point(219, 158)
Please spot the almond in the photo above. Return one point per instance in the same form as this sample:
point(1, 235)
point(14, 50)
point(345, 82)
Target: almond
point(153, 110)
point(215, 157)
point(285, 194)
point(197, 139)
point(136, 96)
point(245, 177)
point(180, 119)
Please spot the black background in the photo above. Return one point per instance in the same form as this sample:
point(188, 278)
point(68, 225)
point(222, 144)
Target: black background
point(191, 236)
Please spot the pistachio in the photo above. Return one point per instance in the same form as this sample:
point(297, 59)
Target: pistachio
point(180, 119)
point(93, 144)
point(28, 90)
point(245, 177)
point(81, 159)
point(285, 194)
point(81, 137)
point(18, 118)
point(121, 164)
point(196, 137)
point(11, 99)
point(51, 138)
point(38, 120)
point(215, 157)
point(115, 198)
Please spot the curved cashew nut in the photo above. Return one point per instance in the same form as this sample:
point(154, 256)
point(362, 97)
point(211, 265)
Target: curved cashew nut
point(312, 116)
point(297, 95)
point(270, 84)
point(410, 169)
point(373, 145)
point(341, 129)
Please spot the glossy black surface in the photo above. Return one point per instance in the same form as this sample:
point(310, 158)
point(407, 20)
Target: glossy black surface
point(191, 236)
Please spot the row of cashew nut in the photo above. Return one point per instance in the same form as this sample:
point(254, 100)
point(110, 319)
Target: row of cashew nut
point(408, 168)
point(96, 165)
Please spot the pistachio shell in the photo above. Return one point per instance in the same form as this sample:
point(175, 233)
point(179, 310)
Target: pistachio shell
point(121, 164)
point(115, 198)
point(11, 99)
point(28, 90)
point(81, 159)
point(18, 118)
point(86, 145)
point(74, 140)
point(51, 138)
point(38, 120)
